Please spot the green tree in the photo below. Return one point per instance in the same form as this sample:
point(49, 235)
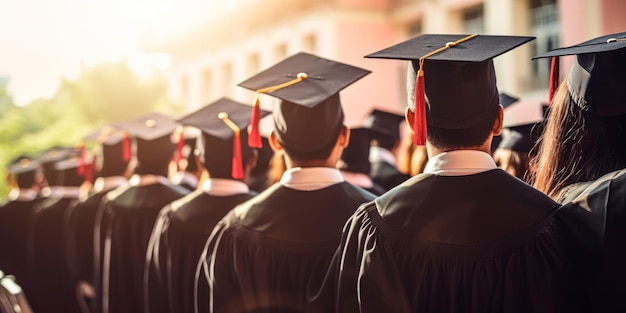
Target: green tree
point(107, 93)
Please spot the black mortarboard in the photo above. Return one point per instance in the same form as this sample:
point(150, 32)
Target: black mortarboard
point(153, 136)
point(461, 81)
point(385, 127)
point(49, 157)
point(24, 170)
point(596, 79)
point(223, 123)
point(68, 171)
point(355, 157)
point(518, 138)
point(310, 113)
point(506, 100)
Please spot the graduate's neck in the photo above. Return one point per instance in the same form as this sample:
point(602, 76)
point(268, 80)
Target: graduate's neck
point(433, 151)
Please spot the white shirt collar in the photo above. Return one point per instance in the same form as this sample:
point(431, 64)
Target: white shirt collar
point(61, 192)
point(460, 162)
point(180, 178)
point(310, 178)
point(143, 180)
point(382, 154)
point(22, 195)
point(222, 187)
point(108, 183)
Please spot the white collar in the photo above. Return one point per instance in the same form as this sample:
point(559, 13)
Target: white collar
point(358, 179)
point(460, 162)
point(149, 179)
point(180, 178)
point(61, 192)
point(22, 195)
point(108, 183)
point(382, 154)
point(222, 187)
point(310, 178)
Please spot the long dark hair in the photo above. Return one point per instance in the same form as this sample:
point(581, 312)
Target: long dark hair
point(576, 147)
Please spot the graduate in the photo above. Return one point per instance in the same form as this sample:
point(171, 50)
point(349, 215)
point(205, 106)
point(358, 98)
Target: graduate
point(385, 130)
point(270, 253)
point(584, 138)
point(24, 174)
point(464, 236)
point(112, 170)
point(182, 227)
point(50, 287)
point(129, 212)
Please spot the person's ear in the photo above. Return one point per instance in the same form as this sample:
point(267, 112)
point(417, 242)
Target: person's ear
point(498, 123)
point(344, 137)
point(409, 116)
point(273, 140)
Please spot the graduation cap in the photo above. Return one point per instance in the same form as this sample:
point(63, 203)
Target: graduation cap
point(461, 81)
point(221, 123)
point(384, 126)
point(355, 156)
point(506, 100)
point(68, 171)
point(153, 136)
point(595, 81)
point(24, 169)
point(310, 113)
point(50, 156)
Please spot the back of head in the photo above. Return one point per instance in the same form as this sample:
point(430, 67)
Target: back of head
point(306, 133)
point(586, 126)
point(112, 157)
point(309, 117)
point(462, 115)
point(154, 155)
point(451, 86)
point(355, 157)
point(218, 155)
point(24, 171)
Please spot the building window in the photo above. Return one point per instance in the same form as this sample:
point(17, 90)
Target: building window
point(473, 20)
point(415, 28)
point(280, 52)
point(545, 26)
point(206, 85)
point(309, 43)
point(253, 64)
point(184, 89)
point(227, 79)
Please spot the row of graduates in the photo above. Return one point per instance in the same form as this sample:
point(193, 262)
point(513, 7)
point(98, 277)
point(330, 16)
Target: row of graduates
point(84, 238)
point(462, 236)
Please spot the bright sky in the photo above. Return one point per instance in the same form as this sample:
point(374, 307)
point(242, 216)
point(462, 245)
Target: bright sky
point(44, 40)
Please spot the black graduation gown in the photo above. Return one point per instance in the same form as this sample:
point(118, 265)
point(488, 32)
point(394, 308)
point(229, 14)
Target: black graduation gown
point(15, 218)
point(477, 243)
point(80, 245)
point(386, 175)
point(178, 237)
point(50, 288)
point(605, 199)
point(270, 254)
point(128, 217)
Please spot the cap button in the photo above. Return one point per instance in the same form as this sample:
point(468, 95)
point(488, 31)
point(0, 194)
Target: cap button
point(302, 75)
point(611, 40)
point(151, 123)
point(24, 163)
point(222, 115)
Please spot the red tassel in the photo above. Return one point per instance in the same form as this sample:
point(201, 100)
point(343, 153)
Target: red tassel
point(89, 172)
point(179, 147)
point(254, 136)
point(81, 160)
point(554, 78)
point(419, 122)
point(126, 149)
point(237, 167)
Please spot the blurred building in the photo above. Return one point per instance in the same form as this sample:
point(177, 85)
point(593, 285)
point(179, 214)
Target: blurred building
point(243, 37)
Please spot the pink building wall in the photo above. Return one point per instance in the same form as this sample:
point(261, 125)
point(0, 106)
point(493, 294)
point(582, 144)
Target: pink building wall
point(612, 19)
point(379, 89)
